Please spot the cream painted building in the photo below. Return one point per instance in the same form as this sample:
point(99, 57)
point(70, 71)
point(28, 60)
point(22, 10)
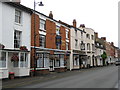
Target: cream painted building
point(88, 39)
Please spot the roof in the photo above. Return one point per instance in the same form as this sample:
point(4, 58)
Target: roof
point(19, 6)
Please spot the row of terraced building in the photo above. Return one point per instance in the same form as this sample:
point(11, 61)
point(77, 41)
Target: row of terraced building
point(31, 42)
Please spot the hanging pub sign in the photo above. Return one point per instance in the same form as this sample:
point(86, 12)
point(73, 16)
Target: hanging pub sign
point(58, 39)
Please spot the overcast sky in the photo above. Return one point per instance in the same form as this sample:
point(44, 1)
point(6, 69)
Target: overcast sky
point(100, 15)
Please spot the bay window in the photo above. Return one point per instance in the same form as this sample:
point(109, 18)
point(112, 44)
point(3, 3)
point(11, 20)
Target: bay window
point(2, 59)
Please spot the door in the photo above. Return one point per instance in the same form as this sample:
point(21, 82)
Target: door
point(51, 65)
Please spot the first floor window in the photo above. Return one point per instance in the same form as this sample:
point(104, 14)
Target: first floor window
point(76, 41)
point(42, 41)
point(67, 46)
point(17, 39)
point(58, 46)
point(2, 59)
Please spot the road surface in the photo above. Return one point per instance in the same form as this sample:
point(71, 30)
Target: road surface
point(101, 77)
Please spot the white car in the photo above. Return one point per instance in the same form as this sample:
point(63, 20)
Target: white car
point(117, 62)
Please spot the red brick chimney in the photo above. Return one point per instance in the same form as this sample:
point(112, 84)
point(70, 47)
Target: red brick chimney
point(74, 23)
point(51, 15)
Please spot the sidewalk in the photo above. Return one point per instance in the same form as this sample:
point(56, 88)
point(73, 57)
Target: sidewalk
point(19, 82)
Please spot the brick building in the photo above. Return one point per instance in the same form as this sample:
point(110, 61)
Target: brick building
point(52, 43)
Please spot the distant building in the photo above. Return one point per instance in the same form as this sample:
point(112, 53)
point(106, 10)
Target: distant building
point(99, 49)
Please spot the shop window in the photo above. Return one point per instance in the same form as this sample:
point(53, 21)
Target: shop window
point(2, 59)
point(23, 60)
point(62, 60)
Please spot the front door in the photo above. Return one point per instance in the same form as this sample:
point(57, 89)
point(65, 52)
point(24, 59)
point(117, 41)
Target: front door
point(51, 65)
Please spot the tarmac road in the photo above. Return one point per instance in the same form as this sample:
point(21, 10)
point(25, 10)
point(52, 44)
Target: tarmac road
point(103, 77)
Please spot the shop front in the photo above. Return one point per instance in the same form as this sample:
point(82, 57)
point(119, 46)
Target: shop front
point(14, 62)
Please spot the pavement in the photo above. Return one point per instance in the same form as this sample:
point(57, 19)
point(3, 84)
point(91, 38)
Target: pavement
point(23, 81)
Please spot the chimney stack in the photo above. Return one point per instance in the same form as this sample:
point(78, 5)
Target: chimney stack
point(96, 34)
point(82, 25)
point(103, 38)
point(16, 1)
point(51, 15)
point(74, 23)
point(112, 44)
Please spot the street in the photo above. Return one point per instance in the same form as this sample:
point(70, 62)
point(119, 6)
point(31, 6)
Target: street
point(101, 77)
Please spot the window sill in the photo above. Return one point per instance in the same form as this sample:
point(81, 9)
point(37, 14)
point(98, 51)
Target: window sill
point(19, 24)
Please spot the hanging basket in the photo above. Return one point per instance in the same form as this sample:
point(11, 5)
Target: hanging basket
point(14, 58)
point(23, 48)
point(2, 46)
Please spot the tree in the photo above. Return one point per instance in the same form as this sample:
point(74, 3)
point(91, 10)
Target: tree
point(104, 56)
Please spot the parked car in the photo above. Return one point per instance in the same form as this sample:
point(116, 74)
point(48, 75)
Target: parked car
point(117, 62)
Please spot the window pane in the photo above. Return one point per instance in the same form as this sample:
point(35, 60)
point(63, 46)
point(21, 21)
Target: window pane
point(22, 60)
point(17, 37)
point(2, 59)
point(17, 16)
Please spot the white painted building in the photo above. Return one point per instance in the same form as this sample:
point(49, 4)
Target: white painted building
point(88, 39)
point(15, 31)
point(76, 56)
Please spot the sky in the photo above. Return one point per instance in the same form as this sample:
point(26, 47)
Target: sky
point(100, 15)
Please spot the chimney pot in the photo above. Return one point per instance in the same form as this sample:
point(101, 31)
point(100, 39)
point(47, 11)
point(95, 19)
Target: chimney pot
point(51, 15)
point(74, 23)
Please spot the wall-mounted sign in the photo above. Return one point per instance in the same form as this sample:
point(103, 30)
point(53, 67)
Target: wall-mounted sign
point(58, 39)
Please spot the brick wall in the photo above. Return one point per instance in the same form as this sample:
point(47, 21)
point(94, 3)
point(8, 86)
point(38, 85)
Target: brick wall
point(50, 34)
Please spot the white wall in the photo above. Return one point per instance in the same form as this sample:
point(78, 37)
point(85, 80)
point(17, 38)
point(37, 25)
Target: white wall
point(9, 26)
point(0, 22)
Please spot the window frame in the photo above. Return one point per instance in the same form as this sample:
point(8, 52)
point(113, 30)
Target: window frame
point(18, 17)
point(17, 40)
point(41, 45)
point(42, 24)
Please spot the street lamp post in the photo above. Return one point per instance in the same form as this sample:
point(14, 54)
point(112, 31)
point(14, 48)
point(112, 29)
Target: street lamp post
point(40, 4)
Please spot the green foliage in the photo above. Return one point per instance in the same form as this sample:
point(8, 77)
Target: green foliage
point(104, 55)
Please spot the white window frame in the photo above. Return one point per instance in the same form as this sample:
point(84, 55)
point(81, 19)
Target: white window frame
point(18, 38)
point(1, 61)
point(42, 25)
point(18, 16)
point(57, 30)
point(43, 42)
